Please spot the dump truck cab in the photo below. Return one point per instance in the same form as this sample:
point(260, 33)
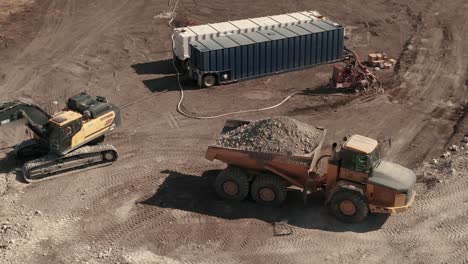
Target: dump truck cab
point(358, 181)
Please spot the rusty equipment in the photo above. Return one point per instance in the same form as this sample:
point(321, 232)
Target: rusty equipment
point(356, 181)
point(352, 75)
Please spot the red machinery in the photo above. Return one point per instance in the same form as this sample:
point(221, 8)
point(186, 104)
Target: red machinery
point(354, 76)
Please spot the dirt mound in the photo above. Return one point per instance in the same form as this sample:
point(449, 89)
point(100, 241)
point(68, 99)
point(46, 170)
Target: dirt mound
point(282, 135)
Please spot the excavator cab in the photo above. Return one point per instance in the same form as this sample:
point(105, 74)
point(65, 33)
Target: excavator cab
point(62, 128)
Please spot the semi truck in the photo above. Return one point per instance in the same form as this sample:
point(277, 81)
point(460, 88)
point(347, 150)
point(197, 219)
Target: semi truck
point(249, 55)
point(184, 35)
point(356, 182)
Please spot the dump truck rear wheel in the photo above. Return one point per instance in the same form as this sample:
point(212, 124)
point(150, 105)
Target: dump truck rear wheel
point(208, 80)
point(232, 184)
point(268, 189)
point(349, 206)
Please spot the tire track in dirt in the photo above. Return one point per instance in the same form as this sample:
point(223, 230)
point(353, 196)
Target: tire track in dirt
point(62, 36)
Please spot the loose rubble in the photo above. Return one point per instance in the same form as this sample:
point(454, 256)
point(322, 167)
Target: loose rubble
point(442, 170)
point(283, 135)
point(454, 148)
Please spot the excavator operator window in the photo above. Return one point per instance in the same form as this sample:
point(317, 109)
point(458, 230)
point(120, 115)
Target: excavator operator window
point(72, 128)
point(68, 131)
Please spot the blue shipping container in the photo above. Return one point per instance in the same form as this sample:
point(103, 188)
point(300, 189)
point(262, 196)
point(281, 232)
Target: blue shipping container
point(235, 57)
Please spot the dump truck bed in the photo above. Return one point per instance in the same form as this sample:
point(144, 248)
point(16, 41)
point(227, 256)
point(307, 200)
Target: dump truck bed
point(293, 168)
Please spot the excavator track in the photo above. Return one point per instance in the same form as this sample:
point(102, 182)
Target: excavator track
point(84, 158)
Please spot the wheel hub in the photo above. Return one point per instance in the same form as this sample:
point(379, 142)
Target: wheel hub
point(347, 208)
point(108, 156)
point(230, 188)
point(267, 194)
point(209, 81)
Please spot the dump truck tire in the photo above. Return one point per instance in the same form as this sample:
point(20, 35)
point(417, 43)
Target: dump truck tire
point(232, 184)
point(268, 189)
point(349, 206)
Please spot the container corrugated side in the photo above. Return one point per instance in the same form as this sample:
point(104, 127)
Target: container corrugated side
point(183, 36)
point(270, 51)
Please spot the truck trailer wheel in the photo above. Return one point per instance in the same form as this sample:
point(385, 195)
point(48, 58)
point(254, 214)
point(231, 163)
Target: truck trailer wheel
point(349, 206)
point(232, 184)
point(268, 189)
point(208, 80)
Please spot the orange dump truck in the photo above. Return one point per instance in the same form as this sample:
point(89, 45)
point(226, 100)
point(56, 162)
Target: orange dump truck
point(357, 182)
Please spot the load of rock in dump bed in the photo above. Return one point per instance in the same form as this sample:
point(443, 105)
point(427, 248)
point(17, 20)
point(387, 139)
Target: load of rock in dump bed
point(283, 135)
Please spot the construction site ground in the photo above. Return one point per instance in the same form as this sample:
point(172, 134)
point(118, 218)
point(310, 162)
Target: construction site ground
point(156, 204)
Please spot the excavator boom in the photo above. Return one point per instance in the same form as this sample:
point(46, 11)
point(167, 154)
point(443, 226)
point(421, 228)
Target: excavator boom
point(12, 111)
point(37, 118)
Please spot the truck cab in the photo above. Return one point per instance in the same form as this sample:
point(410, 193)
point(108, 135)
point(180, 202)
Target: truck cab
point(358, 181)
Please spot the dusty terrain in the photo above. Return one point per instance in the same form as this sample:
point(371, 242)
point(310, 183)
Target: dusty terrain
point(8, 7)
point(155, 205)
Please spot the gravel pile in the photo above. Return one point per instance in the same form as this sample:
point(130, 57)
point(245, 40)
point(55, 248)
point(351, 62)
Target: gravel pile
point(283, 135)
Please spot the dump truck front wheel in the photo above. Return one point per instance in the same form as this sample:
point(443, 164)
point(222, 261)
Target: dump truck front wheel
point(208, 80)
point(268, 189)
point(232, 184)
point(349, 206)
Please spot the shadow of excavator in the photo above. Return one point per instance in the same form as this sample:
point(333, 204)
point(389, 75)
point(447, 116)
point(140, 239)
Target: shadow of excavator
point(195, 194)
point(9, 164)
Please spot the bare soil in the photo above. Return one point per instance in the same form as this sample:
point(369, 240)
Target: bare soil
point(8, 7)
point(155, 204)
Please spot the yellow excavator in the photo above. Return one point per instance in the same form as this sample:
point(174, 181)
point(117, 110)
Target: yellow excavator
point(67, 141)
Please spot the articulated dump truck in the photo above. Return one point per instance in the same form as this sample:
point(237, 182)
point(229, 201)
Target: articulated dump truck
point(357, 181)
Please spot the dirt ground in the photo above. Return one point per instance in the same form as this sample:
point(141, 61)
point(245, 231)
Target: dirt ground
point(155, 204)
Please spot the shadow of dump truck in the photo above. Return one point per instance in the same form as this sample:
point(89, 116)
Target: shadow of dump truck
point(196, 194)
